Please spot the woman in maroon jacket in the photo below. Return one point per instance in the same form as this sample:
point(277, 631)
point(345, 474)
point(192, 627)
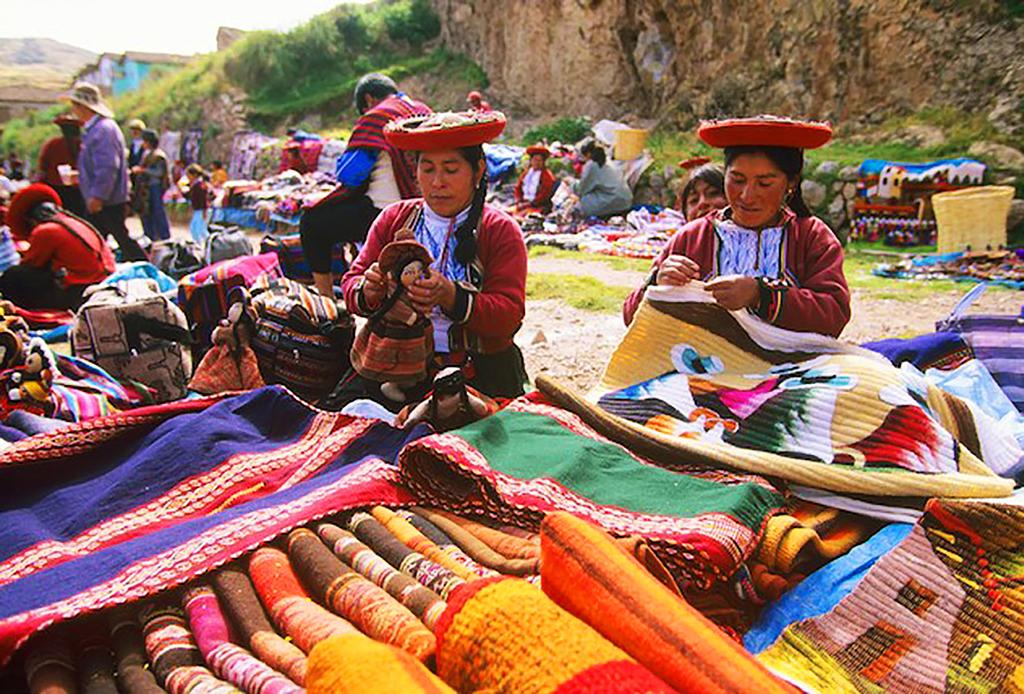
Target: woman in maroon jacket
point(475, 290)
point(765, 252)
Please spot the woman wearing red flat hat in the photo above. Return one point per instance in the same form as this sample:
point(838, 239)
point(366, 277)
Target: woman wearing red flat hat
point(475, 289)
point(765, 252)
point(65, 254)
point(536, 184)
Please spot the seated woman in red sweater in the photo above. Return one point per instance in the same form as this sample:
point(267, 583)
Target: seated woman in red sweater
point(765, 252)
point(536, 185)
point(65, 254)
point(474, 291)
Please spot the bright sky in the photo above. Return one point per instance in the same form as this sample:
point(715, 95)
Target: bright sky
point(177, 26)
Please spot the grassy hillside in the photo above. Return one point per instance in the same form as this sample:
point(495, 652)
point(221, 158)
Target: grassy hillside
point(284, 78)
point(43, 53)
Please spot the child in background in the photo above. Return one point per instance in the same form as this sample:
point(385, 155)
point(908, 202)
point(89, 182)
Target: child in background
point(199, 198)
point(218, 176)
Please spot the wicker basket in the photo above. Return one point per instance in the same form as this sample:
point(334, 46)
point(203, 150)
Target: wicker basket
point(629, 143)
point(972, 217)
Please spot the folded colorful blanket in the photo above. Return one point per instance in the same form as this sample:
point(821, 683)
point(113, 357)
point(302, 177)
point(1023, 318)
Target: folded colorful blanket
point(531, 459)
point(587, 573)
point(692, 381)
point(242, 606)
point(356, 664)
point(360, 601)
point(503, 634)
point(421, 601)
point(228, 660)
point(123, 507)
point(940, 612)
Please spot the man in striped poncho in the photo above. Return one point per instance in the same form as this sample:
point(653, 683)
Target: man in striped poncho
point(371, 175)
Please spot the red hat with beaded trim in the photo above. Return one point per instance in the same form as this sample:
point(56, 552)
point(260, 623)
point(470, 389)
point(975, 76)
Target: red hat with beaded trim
point(23, 202)
point(538, 149)
point(765, 131)
point(449, 130)
point(694, 162)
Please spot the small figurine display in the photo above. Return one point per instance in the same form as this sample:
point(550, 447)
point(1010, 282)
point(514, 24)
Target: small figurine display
point(30, 385)
point(451, 404)
point(396, 344)
point(230, 364)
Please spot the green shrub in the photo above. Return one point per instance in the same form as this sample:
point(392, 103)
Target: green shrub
point(412, 21)
point(565, 129)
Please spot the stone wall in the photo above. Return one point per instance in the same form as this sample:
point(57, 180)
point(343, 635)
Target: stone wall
point(845, 60)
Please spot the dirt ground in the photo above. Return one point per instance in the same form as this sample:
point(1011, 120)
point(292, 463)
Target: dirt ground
point(574, 345)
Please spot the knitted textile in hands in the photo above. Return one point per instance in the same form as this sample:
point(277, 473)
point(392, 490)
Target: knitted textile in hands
point(241, 604)
point(357, 664)
point(291, 609)
point(369, 607)
point(504, 634)
point(421, 601)
point(589, 574)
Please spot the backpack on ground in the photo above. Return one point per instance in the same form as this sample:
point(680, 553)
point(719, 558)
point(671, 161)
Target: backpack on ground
point(135, 333)
point(176, 258)
point(203, 295)
point(302, 340)
point(225, 243)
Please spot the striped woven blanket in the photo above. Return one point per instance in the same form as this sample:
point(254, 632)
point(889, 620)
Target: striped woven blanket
point(697, 383)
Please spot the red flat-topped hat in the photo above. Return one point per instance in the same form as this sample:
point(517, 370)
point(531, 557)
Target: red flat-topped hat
point(23, 202)
point(445, 130)
point(765, 131)
point(694, 162)
point(538, 149)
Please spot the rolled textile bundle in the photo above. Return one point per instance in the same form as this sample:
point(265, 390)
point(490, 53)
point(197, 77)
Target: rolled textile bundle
point(357, 664)
point(229, 660)
point(430, 574)
point(306, 622)
point(94, 659)
point(133, 674)
point(478, 550)
point(503, 634)
point(241, 604)
point(50, 664)
point(506, 544)
point(585, 571)
point(446, 544)
point(174, 656)
point(366, 605)
point(412, 538)
point(421, 601)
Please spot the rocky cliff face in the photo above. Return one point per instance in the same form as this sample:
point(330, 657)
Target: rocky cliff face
point(845, 60)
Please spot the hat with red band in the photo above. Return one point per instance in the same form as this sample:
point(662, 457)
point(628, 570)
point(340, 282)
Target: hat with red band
point(765, 131)
point(23, 202)
point(445, 130)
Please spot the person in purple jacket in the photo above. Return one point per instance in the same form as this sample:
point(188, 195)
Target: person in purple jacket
point(102, 168)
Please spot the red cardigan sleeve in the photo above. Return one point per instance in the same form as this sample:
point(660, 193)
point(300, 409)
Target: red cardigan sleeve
point(42, 245)
point(821, 303)
point(381, 232)
point(499, 307)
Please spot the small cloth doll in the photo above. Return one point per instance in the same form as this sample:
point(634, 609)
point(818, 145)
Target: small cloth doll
point(230, 364)
point(451, 404)
point(396, 344)
point(13, 336)
point(30, 386)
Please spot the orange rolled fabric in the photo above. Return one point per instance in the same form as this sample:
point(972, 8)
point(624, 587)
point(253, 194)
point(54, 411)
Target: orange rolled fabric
point(588, 574)
point(359, 664)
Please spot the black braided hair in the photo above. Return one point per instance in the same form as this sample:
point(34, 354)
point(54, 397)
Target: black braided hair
point(789, 159)
point(465, 234)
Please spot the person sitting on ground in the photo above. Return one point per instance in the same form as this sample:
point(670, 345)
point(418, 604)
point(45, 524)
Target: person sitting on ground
point(65, 254)
point(765, 252)
point(536, 185)
point(704, 191)
point(474, 292)
point(371, 175)
point(154, 175)
point(59, 151)
point(602, 190)
point(218, 175)
point(476, 102)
